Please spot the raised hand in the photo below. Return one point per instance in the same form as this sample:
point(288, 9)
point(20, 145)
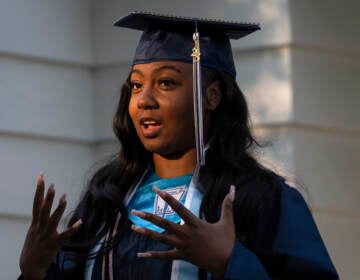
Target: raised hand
point(204, 244)
point(43, 241)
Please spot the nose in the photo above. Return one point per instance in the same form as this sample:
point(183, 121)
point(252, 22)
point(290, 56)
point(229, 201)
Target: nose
point(146, 99)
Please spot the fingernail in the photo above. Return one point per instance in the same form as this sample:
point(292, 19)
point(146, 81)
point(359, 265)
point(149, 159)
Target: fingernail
point(232, 192)
point(51, 188)
point(156, 189)
point(144, 255)
point(137, 229)
point(78, 223)
point(62, 199)
point(138, 213)
point(40, 178)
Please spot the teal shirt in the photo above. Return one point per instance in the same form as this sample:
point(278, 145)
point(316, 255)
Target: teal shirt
point(145, 199)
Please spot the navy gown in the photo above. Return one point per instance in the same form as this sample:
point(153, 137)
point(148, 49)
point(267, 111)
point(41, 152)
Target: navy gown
point(289, 247)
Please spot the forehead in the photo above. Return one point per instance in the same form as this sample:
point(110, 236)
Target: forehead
point(161, 66)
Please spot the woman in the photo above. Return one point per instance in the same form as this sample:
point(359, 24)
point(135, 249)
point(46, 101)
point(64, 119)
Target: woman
point(152, 212)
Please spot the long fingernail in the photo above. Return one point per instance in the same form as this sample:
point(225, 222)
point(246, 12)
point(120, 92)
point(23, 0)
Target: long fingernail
point(62, 199)
point(51, 188)
point(156, 189)
point(38, 181)
point(77, 223)
point(40, 178)
point(232, 192)
point(137, 229)
point(144, 255)
point(138, 213)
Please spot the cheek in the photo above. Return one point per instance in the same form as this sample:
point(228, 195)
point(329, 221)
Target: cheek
point(184, 114)
point(132, 109)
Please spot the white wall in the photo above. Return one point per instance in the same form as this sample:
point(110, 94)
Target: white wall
point(56, 30)
point(47, 109)
point(325, 82)
point(62, 64)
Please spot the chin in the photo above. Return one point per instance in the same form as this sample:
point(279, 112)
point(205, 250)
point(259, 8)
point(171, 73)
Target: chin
point(169, 151)
point(153, 147)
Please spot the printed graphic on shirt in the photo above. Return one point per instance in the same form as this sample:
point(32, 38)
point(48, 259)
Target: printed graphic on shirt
point(161, 208)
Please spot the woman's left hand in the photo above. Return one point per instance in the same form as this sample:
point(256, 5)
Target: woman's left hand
point(204, 244)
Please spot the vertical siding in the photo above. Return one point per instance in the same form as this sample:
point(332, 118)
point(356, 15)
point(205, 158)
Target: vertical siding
point(62, 66)
point(326, 87)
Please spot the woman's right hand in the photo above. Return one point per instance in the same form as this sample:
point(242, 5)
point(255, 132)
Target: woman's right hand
point(43, 241)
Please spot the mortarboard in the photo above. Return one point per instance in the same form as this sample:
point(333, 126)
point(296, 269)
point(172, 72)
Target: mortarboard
point(203, 42)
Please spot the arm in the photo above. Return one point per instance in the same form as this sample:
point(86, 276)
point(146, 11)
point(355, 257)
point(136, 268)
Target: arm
point(53, 273)
point(244, 264)
point(43, 241)
point(296, 252)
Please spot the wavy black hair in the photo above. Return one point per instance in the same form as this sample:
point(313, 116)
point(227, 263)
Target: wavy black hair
point(229, 161)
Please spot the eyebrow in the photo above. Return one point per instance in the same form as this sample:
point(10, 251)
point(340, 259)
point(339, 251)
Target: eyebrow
point(157, 70)
point(171, 67)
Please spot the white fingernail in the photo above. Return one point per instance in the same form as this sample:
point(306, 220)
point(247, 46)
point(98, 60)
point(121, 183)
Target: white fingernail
point(62, 199)
point(138, 213)
point(232, 192)
point(144, 255)
point(78, 223)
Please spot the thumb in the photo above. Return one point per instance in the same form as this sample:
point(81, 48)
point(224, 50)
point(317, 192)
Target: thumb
point(227, 208)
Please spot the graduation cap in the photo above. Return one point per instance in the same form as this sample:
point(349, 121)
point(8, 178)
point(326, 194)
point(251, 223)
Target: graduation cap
point(202, 42)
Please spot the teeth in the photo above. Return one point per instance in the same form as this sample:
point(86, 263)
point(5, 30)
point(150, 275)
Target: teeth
point(149, 122)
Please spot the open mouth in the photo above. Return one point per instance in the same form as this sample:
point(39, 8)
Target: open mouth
point(150, 127)
point(148, 123)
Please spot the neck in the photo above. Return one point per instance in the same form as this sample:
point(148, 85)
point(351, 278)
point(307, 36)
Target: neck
point(169, 167)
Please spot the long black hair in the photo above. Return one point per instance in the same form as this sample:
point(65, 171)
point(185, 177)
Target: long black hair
point(229, 161)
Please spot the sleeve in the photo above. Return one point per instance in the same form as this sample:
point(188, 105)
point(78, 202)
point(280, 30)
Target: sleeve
point(63, 268)
point(297, 250)
point(244, 264)
point(53, 273)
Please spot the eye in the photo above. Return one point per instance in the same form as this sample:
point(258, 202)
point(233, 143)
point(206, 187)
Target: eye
point(166, 83)
point(134, 85)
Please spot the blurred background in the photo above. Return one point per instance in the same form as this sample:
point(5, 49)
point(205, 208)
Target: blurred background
point(62, 64)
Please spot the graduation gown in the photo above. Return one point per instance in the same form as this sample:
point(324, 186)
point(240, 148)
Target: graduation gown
point(294, 251)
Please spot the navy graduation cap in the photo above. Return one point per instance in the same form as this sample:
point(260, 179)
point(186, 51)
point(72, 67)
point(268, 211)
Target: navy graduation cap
point(171, 38)
point(202, 42)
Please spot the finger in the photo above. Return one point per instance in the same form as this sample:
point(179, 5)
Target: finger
point(71, 230)
point(160, 222)
point(56, 216)
point(163, 255)
point(171, 240)
point(181, 210)
point(38, 198)
point(227, 206)
point(46, 206)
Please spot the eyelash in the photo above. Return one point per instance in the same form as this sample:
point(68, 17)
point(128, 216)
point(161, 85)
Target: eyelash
point(167, 83)
point(164, 83)
point(135, 85)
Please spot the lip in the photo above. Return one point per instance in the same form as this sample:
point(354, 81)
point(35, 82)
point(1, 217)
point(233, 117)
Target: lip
point(150, 127)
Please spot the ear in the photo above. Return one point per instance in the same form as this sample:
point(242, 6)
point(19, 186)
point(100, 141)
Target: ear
point(213, 96)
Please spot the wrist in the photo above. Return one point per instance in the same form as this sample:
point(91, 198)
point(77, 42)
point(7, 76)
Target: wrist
point(33, 277)
point(219, 270)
